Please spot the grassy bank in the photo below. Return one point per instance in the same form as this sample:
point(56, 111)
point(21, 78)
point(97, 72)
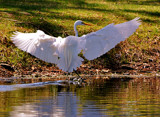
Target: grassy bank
point(56, 17)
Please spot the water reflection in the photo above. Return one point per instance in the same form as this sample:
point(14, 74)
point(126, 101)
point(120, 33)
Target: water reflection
point(64, 104)
point(101, 97)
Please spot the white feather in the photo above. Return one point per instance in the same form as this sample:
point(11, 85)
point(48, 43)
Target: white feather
point(38, 44)
point(101, 41)
point(64, 51)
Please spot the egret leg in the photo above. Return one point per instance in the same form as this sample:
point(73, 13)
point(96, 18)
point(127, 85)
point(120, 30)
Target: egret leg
point(78, 80)
point(76, 73)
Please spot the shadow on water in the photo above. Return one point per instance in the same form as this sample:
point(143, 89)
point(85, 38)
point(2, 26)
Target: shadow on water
point(99, 97)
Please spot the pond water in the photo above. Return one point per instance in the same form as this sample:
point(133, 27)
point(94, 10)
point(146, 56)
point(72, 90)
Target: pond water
point(95, 98)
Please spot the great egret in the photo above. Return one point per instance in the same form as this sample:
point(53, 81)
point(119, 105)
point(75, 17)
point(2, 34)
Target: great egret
point(64, 51)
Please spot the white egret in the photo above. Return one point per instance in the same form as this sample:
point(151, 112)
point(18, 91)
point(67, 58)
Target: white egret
point(64, 51)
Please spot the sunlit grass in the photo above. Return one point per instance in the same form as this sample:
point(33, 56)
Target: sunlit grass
point(56, 17)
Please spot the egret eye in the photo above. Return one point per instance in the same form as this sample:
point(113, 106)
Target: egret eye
point(82, 23)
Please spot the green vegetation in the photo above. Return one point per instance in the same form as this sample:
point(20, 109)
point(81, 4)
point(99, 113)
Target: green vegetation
point(56, 17)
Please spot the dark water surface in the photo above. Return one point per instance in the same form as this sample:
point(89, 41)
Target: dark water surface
point(97, 98)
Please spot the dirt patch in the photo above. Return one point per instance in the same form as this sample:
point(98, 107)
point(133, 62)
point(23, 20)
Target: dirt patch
point(85, 69)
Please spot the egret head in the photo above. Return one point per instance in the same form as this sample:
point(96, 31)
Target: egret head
point(79, 22)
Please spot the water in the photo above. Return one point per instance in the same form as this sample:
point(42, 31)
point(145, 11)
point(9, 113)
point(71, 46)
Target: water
point(96, 98)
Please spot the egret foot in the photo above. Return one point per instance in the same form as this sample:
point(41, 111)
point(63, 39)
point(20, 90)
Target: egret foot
point(76, 73)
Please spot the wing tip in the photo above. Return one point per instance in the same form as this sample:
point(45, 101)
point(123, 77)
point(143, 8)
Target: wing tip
point(137, 20)
point(15, 34)
point(40, 32)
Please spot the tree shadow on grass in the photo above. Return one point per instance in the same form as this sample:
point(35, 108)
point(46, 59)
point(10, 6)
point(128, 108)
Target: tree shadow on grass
point(49, 28)
point(139, 2)
point(25, 13)
point(31, 18)
point(41, 5)
point(30, 4)
point(155, 14)
point(123, 12)
point(146, 2)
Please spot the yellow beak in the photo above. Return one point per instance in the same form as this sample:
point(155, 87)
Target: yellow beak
point(87, 24)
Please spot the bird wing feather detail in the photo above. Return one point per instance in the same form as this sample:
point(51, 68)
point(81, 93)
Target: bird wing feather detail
point(37, 44)
point(99, 42)
point(68, 53)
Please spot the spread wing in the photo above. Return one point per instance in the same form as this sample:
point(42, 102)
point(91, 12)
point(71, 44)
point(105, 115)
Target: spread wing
point(99, 42)
point(37, 44)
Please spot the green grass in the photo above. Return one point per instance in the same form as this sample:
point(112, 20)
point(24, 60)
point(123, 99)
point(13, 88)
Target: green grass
point(56, 17)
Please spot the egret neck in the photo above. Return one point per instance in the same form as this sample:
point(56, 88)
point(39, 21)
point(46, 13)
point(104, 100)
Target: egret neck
point(75, 29)
point(79, 22)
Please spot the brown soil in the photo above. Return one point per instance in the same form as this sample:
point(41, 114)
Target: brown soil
point(125, 69)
